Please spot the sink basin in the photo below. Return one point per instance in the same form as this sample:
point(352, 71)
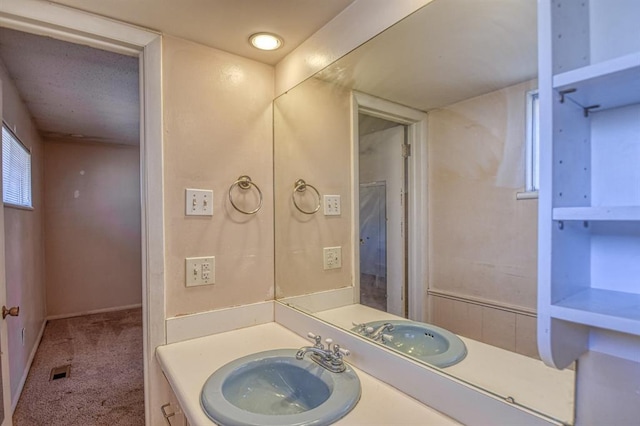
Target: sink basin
point(424, 342)
point(274, 388)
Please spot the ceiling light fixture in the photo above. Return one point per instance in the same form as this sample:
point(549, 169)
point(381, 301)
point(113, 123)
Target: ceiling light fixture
point(266, 41)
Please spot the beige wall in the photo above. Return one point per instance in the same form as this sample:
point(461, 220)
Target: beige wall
point(312, 131)
point(217, 126)
point(24, 244)
point(483, 242)
point(92, 225)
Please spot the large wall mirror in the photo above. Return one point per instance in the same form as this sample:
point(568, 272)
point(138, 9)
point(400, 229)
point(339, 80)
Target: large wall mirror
point(397, 170)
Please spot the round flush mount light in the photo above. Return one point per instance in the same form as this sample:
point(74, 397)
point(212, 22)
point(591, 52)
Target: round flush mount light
point(265, 41)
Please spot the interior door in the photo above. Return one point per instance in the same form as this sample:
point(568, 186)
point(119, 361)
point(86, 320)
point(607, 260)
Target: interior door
point(5, 415)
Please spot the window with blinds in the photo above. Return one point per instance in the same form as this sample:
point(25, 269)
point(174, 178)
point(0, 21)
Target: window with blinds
point(532, 168)
point(16, 170)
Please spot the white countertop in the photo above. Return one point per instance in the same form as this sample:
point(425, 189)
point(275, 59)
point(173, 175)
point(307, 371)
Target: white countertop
point(528, 381)
point(187, 365)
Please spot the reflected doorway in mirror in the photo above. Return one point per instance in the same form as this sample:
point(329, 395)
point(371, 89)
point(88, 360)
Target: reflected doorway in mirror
point(389, 195)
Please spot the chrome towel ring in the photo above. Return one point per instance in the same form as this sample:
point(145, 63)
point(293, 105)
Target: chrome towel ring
point(244, 182)
point(301, 186)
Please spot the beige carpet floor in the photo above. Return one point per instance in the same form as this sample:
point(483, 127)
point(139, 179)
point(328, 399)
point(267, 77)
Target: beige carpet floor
point(105, 386)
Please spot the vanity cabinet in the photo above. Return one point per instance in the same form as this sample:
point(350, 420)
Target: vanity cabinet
point(172, 411)
point(589, 202)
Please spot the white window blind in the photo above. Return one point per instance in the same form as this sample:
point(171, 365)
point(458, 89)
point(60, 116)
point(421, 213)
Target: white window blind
point(532, 140)
point(16, 170)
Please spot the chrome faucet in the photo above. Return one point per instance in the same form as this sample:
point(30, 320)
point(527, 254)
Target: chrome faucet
point(331, 358)
point(378, 333)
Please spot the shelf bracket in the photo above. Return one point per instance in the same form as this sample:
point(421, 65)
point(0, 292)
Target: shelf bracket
point(565, 92)
point(560, 225)
point(588, 109)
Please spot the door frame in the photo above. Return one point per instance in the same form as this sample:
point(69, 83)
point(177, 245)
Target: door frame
point(4, 338)
point(68, 24)
point(418, 221)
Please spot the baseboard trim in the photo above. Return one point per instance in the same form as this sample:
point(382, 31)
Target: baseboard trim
point(95, 311)
point(25, 374)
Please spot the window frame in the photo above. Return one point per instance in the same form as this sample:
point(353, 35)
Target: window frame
point(532, 146)
point(5, 126)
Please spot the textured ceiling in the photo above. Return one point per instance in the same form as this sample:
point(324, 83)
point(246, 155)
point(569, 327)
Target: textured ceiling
point(223, 24)
point(71, 89)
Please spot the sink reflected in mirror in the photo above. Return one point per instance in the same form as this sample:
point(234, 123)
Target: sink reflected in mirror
point(423, 342)
point(275, 388)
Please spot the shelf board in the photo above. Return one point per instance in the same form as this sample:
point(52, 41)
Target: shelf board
point(610, 84)
point(612, 213)
point(612, 310)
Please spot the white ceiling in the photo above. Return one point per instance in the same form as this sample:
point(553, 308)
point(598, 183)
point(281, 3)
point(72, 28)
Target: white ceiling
point(223, 24)
point(81, 93)
point(448, 51)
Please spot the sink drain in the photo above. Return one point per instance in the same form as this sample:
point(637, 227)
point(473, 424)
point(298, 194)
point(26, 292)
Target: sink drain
point(61, 372)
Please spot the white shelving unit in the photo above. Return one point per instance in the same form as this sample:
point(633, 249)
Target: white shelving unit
point(612, 213)
point(610, 84)
point(589, 199)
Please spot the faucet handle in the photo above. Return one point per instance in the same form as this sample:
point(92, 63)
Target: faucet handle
point(338, 350)
point(387, 337)
point(316, 338)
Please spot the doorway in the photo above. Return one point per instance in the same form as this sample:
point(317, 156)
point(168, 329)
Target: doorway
point(60, 22)
point(389, 151)
point(382, 194)
point(373, 245)
point(85, 222)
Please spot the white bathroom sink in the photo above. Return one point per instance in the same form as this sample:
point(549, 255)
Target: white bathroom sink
point(274, 388)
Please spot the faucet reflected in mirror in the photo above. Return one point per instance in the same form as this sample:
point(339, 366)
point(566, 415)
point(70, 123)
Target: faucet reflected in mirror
point(421, 133)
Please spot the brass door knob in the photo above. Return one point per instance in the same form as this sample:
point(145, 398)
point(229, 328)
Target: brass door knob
point(14, 311)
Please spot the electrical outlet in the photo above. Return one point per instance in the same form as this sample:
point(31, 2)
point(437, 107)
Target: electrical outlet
point(332, 257)
point(199, 202)
point(332, 205)
point(200, 271)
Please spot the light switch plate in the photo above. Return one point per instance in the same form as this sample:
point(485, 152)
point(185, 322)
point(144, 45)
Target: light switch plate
point(332, 205)
point(200, 271)
point(332, 257)
point(199, 202)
